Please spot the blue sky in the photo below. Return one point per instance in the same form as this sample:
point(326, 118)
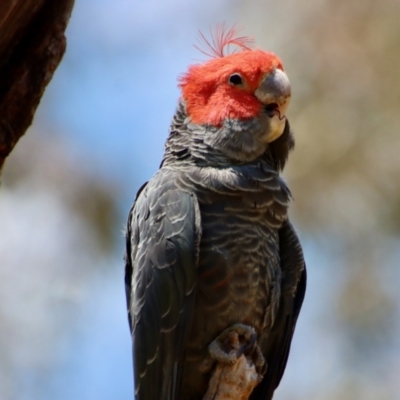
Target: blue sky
point(116, 90)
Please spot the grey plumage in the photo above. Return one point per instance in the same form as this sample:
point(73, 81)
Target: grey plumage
point(209, 244)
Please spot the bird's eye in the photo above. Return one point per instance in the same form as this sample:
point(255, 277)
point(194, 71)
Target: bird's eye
point(235, 79)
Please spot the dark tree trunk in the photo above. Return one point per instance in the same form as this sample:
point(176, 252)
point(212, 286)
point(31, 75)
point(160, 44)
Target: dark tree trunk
point(32, 43)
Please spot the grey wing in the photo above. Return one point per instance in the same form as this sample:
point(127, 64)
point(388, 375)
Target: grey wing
point(161, 269)
point(128, 256)
point(292, 296)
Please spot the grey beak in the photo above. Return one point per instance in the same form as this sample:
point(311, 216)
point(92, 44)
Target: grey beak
point(274, 88)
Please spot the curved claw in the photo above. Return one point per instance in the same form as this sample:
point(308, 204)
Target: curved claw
point(251, 346)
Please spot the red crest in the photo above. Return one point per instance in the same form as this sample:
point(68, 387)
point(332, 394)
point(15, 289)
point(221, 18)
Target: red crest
point(221, 40)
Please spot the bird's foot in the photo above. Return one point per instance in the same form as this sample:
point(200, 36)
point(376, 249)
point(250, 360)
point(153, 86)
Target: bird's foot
point(235, 341)
point(238, 364)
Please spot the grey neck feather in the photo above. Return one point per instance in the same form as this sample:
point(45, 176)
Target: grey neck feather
point(235, 143)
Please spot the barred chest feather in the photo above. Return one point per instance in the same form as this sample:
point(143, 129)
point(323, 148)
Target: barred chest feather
point(242, 207)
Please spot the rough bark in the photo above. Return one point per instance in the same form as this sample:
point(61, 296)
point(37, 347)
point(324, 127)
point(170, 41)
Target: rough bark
point(233, 381)
point(32, 43)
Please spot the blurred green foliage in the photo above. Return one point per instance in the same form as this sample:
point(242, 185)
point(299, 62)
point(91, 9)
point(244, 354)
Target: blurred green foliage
point(43, 162)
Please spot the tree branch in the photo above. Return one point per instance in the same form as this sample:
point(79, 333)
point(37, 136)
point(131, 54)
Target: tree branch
point(239, 367)
point(233, 381)
point(32, 44)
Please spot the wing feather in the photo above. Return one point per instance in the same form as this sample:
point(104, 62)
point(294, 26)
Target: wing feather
point(293, 291)
point(163, 238)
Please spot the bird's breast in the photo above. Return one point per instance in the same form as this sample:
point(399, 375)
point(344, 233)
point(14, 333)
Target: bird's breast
point(239, 272)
